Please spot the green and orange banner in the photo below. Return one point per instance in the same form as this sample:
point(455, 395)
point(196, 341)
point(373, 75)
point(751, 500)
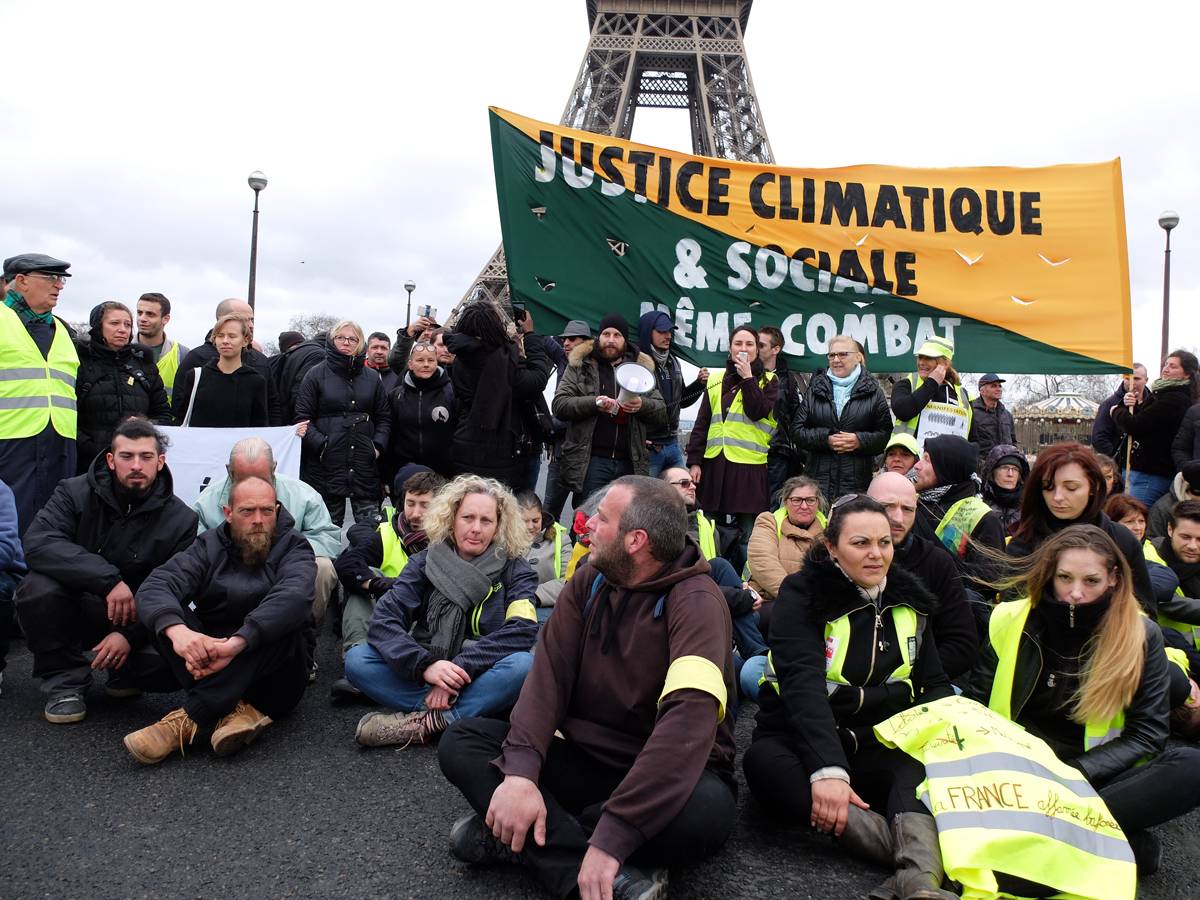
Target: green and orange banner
point(1024, 268)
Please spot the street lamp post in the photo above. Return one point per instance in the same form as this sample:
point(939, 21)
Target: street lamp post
point(257, 182)
point(409, 286)
point(1167, 221)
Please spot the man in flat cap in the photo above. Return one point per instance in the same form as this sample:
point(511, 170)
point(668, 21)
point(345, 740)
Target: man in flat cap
point(991, 423)
point(37, 384)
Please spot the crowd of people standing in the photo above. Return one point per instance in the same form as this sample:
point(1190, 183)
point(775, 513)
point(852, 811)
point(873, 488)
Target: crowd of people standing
point(831, 554)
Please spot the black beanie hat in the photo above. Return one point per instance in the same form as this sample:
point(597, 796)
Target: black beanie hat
point(617, 321)
point(954, 458)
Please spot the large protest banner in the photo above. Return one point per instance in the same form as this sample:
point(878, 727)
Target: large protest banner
point(197, 456)
point(1025, 268)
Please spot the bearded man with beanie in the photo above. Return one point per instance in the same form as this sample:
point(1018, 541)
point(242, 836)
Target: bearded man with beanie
point(605, 437)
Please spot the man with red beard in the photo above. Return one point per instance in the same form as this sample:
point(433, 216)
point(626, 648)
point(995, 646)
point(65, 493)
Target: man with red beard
point(228, 616)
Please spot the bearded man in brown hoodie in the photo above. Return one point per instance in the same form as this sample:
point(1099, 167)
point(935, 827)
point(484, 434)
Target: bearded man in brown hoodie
point(618, 758)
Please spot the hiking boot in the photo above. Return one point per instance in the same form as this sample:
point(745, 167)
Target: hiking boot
point(382, 729)
point(158, 741)
point(67, 708)
point(1147, 852)
point(238, 729)
point(121, 685)
point(343, 693)
point(473, 842)
point(634, 884)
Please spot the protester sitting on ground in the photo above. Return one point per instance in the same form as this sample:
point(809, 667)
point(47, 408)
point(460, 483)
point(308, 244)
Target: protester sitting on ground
point(936, 382)
point(1112, 474)
point(370, 568)
point(1003, 475)
point(1153, 425)
point(1185, 486)
point(951, 510)
point(252, 356)
point(288, 367)
point(579, 532)
point(727, 452)
point(634, 672)
point(88, 551)
point(843, 422)
point(815, 758)
point(1179, 550)
point(228, 390)
point(1103, 708)
point(153, 314)
point(116, 380)
point(1107, 438)
point(991, 422)
point(451, 638)
point(605, 437)
point(253, 458)
point(424, 415)
point(548, 555)
point(1130, 512)
point(901, 453)
point(12, 570)
point(782, 539)
point(744, 601)
point(491, 379)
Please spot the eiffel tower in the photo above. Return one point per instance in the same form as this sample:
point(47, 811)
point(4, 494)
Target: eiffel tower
point(665, 54)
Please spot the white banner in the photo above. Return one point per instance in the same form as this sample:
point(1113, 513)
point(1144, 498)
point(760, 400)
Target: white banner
point(942, 418)
point(198, 456)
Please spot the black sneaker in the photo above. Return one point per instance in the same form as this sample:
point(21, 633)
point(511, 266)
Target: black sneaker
point(343, 693)
point(634, 884)
point(1147, 851)
point(67, 708)
point(120, 685)
point(473, 842)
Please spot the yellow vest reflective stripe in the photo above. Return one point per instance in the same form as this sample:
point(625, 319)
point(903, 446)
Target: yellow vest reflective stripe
point(741, 438)
point(1004, 802)
point(35, 390)
point(958, 523)
point(837, 643)
point(1191, 632)
point(168, 365)
point(708, 535)
point(1005, 628)
point(559, 531)
point(394, 555)
point(962, 399)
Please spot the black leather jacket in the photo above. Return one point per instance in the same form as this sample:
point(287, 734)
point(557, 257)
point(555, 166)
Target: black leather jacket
point(1146, 724)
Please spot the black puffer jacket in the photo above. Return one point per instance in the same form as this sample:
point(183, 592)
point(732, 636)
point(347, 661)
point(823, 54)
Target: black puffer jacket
point(348, 420)
point(1145, 731)
point(865, 414)
point(1186, 445)
point(289, 368)
point(424, 416)
point(1153, 428)
point(111, 386)
point(826, 728)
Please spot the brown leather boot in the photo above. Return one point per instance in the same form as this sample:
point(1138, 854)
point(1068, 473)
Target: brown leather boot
point(156, 742)
point(918, 861)
point(867, 835)
point(238, 729)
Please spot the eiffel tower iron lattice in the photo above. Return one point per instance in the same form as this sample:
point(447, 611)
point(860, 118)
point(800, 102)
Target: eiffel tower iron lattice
point(666, 54)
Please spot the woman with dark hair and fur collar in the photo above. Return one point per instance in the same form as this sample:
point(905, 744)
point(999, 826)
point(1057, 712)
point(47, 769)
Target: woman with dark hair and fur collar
point(851, 647)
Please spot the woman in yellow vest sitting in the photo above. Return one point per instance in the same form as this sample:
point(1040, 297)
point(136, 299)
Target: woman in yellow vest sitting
point(550, 553)
point(1076, 664)
point(782, 539)
point(851, 646)
point(727, 453)
point(935, 382)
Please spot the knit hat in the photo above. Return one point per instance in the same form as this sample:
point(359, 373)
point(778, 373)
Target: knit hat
point(617, 321)
point(1009, 460)
point(936, 346)
point(289, 339)
point(954, 458)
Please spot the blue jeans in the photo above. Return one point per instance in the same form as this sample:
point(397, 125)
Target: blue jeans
point(601, 472)
point(492, 691)
point(669, 457)
point(533, 468)
point(1147, 488)
point(746, 635)
point(751, 672)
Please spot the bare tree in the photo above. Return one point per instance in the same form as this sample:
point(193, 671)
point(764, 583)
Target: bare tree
point(312, 324)
point(1024, 390)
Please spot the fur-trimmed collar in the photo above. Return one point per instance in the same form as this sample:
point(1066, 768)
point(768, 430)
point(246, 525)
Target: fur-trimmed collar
point(583, 352)
point(832, 594)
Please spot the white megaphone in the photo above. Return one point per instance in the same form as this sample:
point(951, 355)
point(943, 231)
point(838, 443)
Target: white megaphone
point(634, 381)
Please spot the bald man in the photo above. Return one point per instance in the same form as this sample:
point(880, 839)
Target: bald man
point(197, 357)
point(954, 623)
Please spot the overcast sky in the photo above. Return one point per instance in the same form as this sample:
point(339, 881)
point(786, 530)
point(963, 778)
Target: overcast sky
point(130, 129)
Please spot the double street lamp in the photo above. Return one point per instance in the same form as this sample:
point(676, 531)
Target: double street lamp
point(257, 182)
point(1167, 221)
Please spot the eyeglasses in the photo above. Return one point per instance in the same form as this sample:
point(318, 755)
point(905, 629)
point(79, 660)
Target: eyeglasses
point(1008, 470)
point(340, 339)
point(838, 354)
point(53, 279)
point(803, 501)
point(684, 482)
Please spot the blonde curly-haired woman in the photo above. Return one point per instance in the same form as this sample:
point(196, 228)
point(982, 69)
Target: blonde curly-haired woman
point(451, 639)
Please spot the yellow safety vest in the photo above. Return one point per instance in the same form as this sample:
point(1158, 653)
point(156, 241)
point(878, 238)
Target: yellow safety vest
point(739, 437)
point(35, 390)
point(963, 400)
point(1004, 802)
point(1188, 630)
point(168, 365)
point(394, 556)
point(837, 644)
point(708, 535)
point(559, 531)
point(780, 514)
point(958, 523)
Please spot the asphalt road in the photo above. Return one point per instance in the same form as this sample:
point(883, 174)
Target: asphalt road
point(306, 812)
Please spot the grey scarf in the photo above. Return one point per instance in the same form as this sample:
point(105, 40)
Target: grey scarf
point(458, 587)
